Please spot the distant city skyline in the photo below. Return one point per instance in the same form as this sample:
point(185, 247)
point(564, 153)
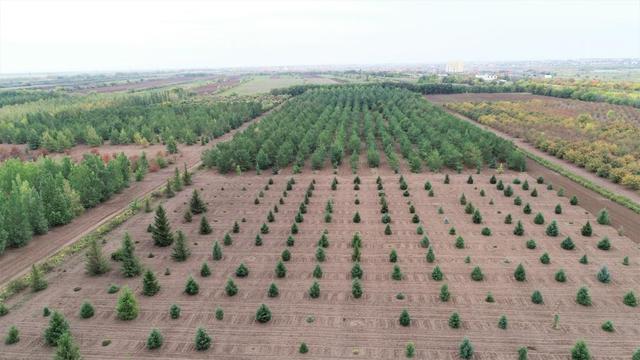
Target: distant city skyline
point(100, 36)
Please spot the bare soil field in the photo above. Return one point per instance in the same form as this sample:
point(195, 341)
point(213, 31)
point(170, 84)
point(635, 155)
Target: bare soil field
point(145, 84)
point(545, 104)
point(336, 325)
point(217, 86)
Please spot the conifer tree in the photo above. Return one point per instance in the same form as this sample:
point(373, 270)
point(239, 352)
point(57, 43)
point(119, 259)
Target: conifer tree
point(86, 310)
point(205, 271)
point(444, 293)
point(188, 216)
point(536, 297)
point(263, 314)
point(37, 279)
point(580, 351)
point(314, 290)
point(205, 228)
point(203, 340)
point(396, 274)
point(154, 340)
point(186, 176)
point(356, 271)
point(227, 240)
point(393, 256)
point(67, 348)
point(191, 287)
point(586, 229)
point(476, 274)
point(502, 323)
point(196, 204)
point(273, 290)
point(466, 349)
point(217, 251)
point(58, 325)
point(231, 288)
point(604, 276)
point(520, 274)
point(161, 230)
point(629, 299)
point(405, 319)
point(150, 285)
point(603, 217)
point(242, 271)
point(430, 255)
point(437, 274)
point(583, 297)
point(552, 229)
point(320, 255)
point(168, 190)
point(130, 263)
point(180, 249)
point(539, 219)
point(127, 307)
point(95, 262)
point(519, 229)
point(281, 270)
point(477, 217)
point(454, 321)
point(317, 272)
point(13, 336)
point(560, 276)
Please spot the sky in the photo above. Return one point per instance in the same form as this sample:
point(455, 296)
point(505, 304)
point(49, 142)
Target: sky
point(118, 35)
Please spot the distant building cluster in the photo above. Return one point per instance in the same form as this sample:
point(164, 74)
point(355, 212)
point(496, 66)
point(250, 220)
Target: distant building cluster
point(487, 77)
point(454, 67)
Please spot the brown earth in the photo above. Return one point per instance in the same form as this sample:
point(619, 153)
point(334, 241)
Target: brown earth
point(344, 327)
point(145, 84)
point(221, 84)
point(15, 262)
point(592, 201)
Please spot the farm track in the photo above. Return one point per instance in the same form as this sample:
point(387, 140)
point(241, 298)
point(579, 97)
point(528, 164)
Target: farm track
point(347, 328)
point(589, 199)
point(17, 262)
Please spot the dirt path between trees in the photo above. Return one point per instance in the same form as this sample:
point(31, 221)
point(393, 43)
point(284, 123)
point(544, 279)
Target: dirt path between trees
point(16, 262)
point(589, 199)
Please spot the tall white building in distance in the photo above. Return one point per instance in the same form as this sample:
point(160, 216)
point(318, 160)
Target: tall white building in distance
point(454, 67)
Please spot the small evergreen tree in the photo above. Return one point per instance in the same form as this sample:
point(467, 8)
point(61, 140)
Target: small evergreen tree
point(522, 353)
point(230, 288)
point(560, 276)
point(539, 219)
point(161, 229)
point(127, 307)
point(567, 244)
point(604, 276)
point(387, 230)
point(67, 348)
point(437, 274)
point(552, 229)
point(396, 274)
point(188, 216)
point(489, 298)
point(317, 272)
point(466, 349)
point(314, 290)
point(196, 204)
point(574, 200)
point(86, 310)
point(586, 229)
point(405, 319)
point(242, 271)
point(444, 293)
point(180, 249)
point(356, 217)
point(558, 209)
point(356, 271)
point(580, 351)
point(174, 311)
point(273, 290)
point(95, 262)
point(58, 325)
point(37, 280)
point(219, 313)
point(286, 255)
point(356, 288)
point(603, 217)
point(205, 228)
point(584, 260)
point(454, 321)
point(476, 274)
point(203, 340)
point(205, 271)
point(264, 229)
point(604, 244)
point(281, 270)
point(320, 255)
point(583, 297)
point(263, 314)
point(236, 227)
point(227, 240)
point(155, 340)
point(150, 285)
point(629, 299)
point(168, 190)
point(217, 251)
point(430, 255)
point(13, 336)
point(459, 242)
point(545, 259)
point(520, 274)
point(519, 229)
point(191, 287)
point(393, 256)
point(303, 349)
point(477, 217)
point(536, 297)
point(503, 323)
point(130, 263)
point(608, 326)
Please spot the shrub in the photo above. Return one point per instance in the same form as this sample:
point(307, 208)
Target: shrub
point(603, 217)
point(286, 255)
point(356, 217)
point(294, 229)
point(317, 272)
point(356, 271)
point(552, 229)
point(58, 325)
point(560, 276)
point(430, 255)
point(242, 271)
point(174, 311)
point(13, 336)
point(236, 227)
point(459, 242)
point(180, 248)
point(520, 274)
point(273, 290)
point(466, 349)
point(508, 192)
point(410, 350)
point(205, 228)
point(629, 299)
point(393, 256)
point(607, 326)
point(583, 297)
point(196, 204)
point(558, 209)
point(37, 280)
point(67, 349)
point(356, 288)
point(522, 353)
point(205, 271)
point(567, 243)
point(519, 229)
point(219, 313)
point(154, 340)
point(476, 274)
point(437, 274)
point(217, 251)
point(502, 323)
point(424, 242)
point(405, 319)
point(603, 275)
point(489, 297)
point(320, 254)
point(531, 244)
point(95, 262)
point(526, 209)
point(545, 259)
point(508, 219)
point(536, 297)
point(539, 219)
point(396, 274)
point(264, 229)
point(314, 290)
point(387, 230)
point(454, 320)
point(230, 288)
point(281, 270)
point(113, 289)
point(584, 260)
point(203, 340)
point(477, 217)
point(444, 293)
point(303, 349)
point(580, 351)
point(191, 287)
point(486, 231)
point(517, 201)
point(127, 307)
point(574, 200)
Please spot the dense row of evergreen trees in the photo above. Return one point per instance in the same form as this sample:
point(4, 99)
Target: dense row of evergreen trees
point(335, 122)
point(125, 122)
point(35, 196)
